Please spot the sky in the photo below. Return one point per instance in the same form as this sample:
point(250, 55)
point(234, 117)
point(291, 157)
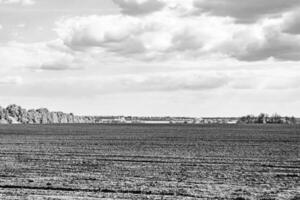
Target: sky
point(151, 57)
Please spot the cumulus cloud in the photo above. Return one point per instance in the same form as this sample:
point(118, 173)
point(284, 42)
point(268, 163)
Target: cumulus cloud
point(137, 7)
point(150, 37)
point(145, 31)
point(167, 36)
point(44, 55)
point(246, 11)
point(97, 30)
point(22, 2)
point(261, 42)
point(278, 46)
point(291, 23)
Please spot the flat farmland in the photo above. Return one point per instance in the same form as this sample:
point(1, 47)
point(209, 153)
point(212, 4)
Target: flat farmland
point(53, 162)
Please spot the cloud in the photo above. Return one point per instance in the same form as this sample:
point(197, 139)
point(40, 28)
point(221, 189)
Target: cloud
point(237, 80)
point(97, 30)
point(283, 83)
point(59, 65)
point(21, 25)
point(276, 46)
point(11, 80)
point(131, 83)
point(165, 36)
point(156, 36)
point(291, 23)
point(138, 7)
point(22, 2)
point(246, 11)
point(262, 42)
point(174, 81)
point(52, 55)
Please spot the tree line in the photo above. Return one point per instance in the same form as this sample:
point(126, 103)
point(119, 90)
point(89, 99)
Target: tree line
point(267, 119)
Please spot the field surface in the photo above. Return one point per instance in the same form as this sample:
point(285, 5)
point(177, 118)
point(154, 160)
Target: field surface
point(89, 162)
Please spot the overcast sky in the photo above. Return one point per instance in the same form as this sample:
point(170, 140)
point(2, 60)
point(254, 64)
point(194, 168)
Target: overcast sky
point(151, 57)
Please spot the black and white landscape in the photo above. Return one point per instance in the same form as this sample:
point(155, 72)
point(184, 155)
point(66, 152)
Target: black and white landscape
point(149, 99)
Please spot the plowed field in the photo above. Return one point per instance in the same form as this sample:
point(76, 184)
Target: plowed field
point(39, 162)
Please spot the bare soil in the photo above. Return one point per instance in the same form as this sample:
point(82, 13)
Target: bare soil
point(88, 162)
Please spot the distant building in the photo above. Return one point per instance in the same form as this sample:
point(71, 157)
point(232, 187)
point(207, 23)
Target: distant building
point(155, 122)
